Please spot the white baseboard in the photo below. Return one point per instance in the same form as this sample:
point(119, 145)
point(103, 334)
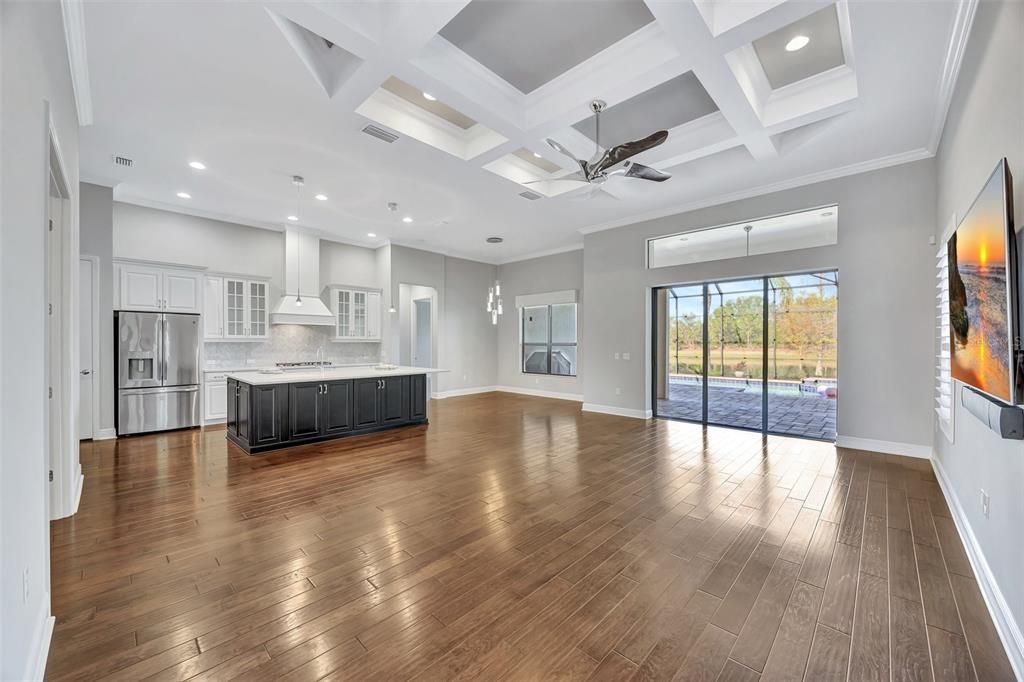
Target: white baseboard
point(105, 434)
point(211, 422)
point(35, 662)
point(454, 393)
point(1007, 627)
point(79, 484)
point(575, 397)
point(618, 411)
point(888, 447)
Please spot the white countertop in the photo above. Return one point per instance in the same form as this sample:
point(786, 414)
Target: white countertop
point(327, 374)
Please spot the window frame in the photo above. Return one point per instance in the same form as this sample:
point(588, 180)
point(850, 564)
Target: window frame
point(548, 345)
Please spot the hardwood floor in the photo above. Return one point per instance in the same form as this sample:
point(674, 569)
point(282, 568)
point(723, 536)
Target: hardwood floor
point(514, 538)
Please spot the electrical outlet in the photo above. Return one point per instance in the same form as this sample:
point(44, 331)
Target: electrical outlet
point(618, 391)
point(24, 585)
point(536, 381)
point(625, 356)
point(985, 503)
point(616, 356)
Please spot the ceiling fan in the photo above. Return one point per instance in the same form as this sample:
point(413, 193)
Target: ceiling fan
point(614, 160)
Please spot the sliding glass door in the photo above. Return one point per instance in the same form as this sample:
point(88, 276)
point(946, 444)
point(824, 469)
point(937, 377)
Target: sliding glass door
point(755, 354)
point(735, 350)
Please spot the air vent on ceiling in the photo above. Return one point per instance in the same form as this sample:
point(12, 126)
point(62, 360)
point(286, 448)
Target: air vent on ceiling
point(123, 161)
point(532, 196)
point(380, 133)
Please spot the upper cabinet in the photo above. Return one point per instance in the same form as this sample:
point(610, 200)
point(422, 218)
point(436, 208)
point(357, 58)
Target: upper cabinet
point(236, 309)
point(156, 288)
point(357, 313)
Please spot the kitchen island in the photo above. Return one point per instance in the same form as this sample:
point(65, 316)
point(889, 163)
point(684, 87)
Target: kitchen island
point(273, 410)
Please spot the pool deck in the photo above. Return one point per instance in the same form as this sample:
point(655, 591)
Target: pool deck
point(809, 415)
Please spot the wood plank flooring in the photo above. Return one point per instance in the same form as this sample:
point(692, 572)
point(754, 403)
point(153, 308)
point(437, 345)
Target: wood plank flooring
point(514, 538)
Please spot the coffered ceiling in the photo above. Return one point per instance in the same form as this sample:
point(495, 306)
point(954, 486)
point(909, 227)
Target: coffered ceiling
point(261, 91)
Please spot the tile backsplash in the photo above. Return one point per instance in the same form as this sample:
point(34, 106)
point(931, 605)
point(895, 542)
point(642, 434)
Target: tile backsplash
point(290, 343)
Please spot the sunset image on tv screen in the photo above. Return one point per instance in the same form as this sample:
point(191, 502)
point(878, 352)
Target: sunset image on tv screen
point(978, 306)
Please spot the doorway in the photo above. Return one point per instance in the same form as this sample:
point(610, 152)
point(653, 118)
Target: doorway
point(757, 354)
point(88, 347)
point(61, 343)
point(422, 334)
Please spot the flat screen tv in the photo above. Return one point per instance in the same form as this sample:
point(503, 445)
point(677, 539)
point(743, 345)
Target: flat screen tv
point(983, 292)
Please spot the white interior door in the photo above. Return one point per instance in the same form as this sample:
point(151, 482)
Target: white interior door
point(86, 372)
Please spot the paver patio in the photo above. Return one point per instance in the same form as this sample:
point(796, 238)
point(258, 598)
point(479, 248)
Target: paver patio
point(806, 415)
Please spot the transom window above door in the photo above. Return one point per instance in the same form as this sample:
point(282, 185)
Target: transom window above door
point(788, 232)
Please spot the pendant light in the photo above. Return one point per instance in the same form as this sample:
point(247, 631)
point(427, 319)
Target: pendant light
point(298, 181)
point(494, 306)
point(747, 229)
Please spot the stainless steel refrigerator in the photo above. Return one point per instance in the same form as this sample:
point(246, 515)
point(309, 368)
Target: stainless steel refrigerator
point(157, 371)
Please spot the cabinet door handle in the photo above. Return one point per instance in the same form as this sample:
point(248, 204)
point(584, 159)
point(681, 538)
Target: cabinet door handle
point(325, 389)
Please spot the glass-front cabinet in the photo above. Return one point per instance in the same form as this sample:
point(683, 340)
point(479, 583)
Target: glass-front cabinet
point(236, 309)
point(357, 313)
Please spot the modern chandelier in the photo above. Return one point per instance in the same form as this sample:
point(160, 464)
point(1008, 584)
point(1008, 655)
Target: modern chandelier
point(494, 301)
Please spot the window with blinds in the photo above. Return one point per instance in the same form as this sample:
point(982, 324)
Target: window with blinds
point(943, 377)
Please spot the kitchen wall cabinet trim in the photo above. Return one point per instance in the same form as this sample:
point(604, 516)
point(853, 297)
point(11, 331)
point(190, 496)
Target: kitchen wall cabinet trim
point(236, 308)
point(357, 313)
point(147, 287)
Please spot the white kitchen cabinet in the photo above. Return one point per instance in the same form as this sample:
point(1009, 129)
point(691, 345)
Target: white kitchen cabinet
point(157, 288)
point(240, 305)
point(357, 313)
point(215, 396)
point(213, 307)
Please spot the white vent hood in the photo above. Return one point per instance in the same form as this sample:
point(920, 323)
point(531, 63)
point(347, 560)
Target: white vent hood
point(301, 281)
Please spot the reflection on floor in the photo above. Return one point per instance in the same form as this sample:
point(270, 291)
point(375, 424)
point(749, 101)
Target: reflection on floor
point(805, 414)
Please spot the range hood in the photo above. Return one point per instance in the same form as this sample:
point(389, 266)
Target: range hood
point(301, 302)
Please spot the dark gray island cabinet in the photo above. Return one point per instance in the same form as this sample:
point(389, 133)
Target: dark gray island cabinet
point(265, 413)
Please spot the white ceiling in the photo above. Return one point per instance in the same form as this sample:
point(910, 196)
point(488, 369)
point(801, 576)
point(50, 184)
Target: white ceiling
point(242, 88)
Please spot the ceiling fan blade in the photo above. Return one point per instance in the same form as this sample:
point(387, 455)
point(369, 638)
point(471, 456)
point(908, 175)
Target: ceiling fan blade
point(560, 149)
point(620, 153)
point(638, 170)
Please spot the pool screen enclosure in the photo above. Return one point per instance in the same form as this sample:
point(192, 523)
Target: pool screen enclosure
point(757, 353)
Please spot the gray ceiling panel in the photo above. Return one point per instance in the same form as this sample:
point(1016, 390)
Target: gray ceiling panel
point(665, 106)
point(530, 42)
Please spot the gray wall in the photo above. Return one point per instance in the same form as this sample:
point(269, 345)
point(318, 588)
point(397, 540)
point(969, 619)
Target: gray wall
point(348, 264)
point(986, 123)
point(96, 217)
point(168, 237)
point(886, 271)
point(34, 76)
point(470, 340)
point(537, 276)
point(466, 339)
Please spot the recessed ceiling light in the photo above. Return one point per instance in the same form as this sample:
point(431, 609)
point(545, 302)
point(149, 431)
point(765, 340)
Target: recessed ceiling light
point(430, 98)
point(797, 43)
point(293, 218)
point(494, 240)
point(198, 165)
point(184, 195)
point(826, 214)
point(320, 197)
point(371, 235)
point(407, 219)
point(536, 155)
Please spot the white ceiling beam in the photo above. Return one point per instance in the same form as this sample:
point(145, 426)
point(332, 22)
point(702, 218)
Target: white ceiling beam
point(683, 22)
point(768, 21)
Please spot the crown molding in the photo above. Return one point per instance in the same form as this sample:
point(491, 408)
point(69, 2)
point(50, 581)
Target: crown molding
point(951, 68)
point(542, 254)
point(809, 179)
point(73, 12)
